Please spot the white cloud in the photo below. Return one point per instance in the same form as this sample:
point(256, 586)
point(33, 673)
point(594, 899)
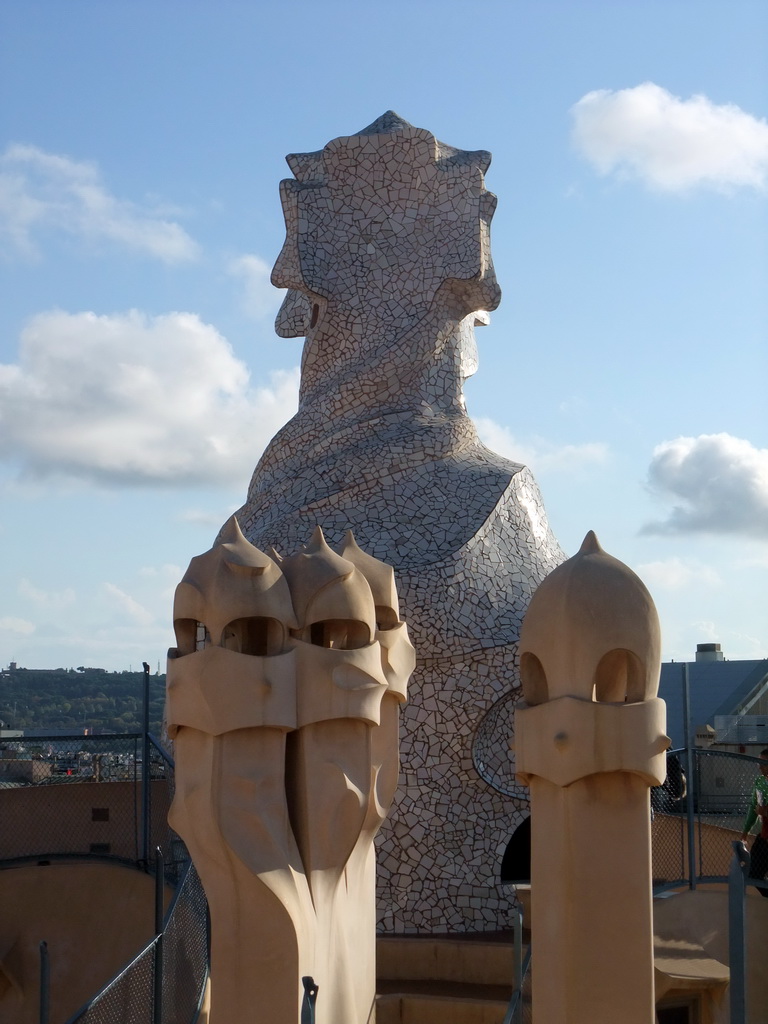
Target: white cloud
point(201, 517)
point(40, 190)
point(707, 628)
point(163, 572)
point(11, 624)
point(260, 298)
point(131, 399)
point(538, 454)
point(670, 143)
point(754, 560)
point(141, 615)
point(754, 647)
point(46, 598)
point(720, 481)
point(115, 645)
point(676, 574)
point(165, 578)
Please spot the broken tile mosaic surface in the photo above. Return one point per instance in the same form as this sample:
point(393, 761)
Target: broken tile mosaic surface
point(388, 265)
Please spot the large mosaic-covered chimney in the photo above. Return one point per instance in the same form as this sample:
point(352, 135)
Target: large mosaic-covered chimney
point(388, 268)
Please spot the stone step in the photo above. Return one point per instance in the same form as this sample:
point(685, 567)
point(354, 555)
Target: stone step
point(444, 979)
point(469, 960)
point(421, 1008)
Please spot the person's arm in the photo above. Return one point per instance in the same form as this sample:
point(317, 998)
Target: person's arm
point(751, 816)
point(761, 794)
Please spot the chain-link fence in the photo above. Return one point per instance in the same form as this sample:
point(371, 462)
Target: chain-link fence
point(697, 815)
point(128, 998)
point(90, 797)
point(669, 826)
point(175, 961)
point(51, 760)
point(720, 796)
point(185, 952)
point(85, 796)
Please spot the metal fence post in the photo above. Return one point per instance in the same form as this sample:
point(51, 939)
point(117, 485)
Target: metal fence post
point(737, 932)
point(518, 1016)
point(157, 1011)
point(691, 782)
point(45, 984)
point(308, 1002)
point(145, 775)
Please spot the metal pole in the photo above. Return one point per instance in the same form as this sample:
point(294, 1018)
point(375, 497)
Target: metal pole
point(689, 743)
point(518, 1017)
point(308, 1002)
point(157, 1017)
point(159, 890)
point(45, 984)
point(737, 932)
point(145, 775)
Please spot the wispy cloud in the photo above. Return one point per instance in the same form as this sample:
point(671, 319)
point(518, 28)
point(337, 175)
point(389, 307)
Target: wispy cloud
point(754, 560)
point(164, 578)
point(720, 482)
point(677, 574)
point(753, 646)
point(12, 624)
point(45, 191)
point(46, 598)
point(129, 605)
point(162, 572)
point(259, 298)
point(129, 399)
point(538, 453)
point(671, 143)
point(206, 517)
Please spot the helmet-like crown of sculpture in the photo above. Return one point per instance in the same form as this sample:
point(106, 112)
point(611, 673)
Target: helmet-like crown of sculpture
point(389, 212)
point(328, 588)
point(283, 643)
point(231, 581)
point(236, 593)
point(591, 631)
point(381, 579)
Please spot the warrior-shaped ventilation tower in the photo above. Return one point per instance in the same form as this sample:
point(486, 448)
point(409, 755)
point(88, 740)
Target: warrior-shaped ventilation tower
point(388, 268)
point(283, 701)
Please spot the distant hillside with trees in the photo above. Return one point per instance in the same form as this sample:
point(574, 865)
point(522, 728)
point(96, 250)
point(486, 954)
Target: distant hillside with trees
point(82, 698)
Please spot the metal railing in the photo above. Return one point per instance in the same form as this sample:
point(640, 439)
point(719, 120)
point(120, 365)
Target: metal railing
point(698, 816)
point(519, 1010)
point(107, 797)
point(86, 796)
point(165, 982)
point(519, 1007)
point(692, 833)
point(737, 933)
point(89, 797)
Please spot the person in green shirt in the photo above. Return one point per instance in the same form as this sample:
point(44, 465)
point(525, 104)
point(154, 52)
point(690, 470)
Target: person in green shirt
point(758, 809)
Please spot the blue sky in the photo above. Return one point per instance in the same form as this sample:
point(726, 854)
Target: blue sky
point(140, 376)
